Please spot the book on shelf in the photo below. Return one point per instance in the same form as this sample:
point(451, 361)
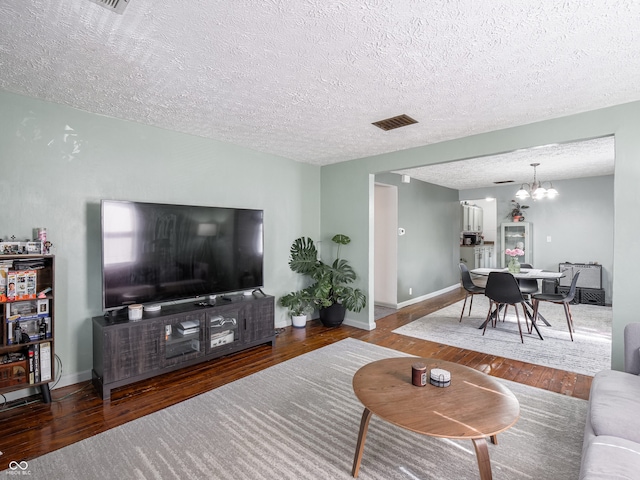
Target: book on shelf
point(39, 362)
point(32, 371)
point(36, 363)
point(45, 361)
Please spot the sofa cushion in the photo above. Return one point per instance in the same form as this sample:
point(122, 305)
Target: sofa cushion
point(614, 396)
point(610, 458)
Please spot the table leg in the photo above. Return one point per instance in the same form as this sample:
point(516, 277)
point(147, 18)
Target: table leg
point(482, 452)
point(364, 425)
point(544, 320)
point(495, 314)
point(532, 317)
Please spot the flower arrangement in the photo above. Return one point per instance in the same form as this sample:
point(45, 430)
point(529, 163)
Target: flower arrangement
point(514, 265)
point(516, 252)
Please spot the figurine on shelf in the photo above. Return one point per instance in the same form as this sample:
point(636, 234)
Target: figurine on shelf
point(46, 247)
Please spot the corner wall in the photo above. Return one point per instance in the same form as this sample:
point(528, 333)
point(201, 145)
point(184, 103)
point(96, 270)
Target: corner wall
point(58, 163)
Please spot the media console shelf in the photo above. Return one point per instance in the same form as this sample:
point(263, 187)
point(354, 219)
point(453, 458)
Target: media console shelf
point(177, 336)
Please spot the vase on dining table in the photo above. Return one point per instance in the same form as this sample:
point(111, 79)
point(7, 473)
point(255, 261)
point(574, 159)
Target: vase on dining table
point(513, 265)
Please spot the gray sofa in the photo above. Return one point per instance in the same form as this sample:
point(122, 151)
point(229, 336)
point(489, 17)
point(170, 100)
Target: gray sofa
point(611, 448)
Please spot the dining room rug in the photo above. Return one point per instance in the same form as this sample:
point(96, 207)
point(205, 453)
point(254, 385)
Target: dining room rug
point(300, 419)
point(589, 353)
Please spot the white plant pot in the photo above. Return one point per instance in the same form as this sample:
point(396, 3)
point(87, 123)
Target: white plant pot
point(299, 321)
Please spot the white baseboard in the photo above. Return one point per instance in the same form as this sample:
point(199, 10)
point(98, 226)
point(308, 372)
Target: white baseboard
point(428, 296)
point(364, 325)
point(387, 304)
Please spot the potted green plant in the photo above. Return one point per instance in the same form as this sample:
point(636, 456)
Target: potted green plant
point(300, 305)
point(516, 211)
point(329, 292)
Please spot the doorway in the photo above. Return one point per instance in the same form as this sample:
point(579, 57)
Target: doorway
point(386, 245)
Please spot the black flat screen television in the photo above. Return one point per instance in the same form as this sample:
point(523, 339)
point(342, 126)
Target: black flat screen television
point(154, 253)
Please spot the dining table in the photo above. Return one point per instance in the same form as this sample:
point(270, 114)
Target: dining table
point(524, 273)
point(530, 273)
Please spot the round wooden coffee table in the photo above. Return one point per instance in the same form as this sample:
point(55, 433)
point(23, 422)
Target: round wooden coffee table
point(474, 406)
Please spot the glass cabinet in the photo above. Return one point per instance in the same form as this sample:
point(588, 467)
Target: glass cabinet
point(183, 338)
point(516, 235)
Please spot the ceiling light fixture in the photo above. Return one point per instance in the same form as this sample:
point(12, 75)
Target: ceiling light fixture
point(536, 190)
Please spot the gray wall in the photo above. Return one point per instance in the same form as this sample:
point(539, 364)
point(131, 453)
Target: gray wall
point(58, 163)
point(351, 183)
point(579, 222)
point(430, 214)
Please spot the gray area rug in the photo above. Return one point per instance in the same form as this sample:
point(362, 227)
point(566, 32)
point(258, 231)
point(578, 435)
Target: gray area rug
point(300, 420)
point(589, 353)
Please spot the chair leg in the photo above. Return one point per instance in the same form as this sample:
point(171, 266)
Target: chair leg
point(464, 305)
point(489, 319)
point(573, 327)
point(471, 303)
point(519, 327)
point(567, 313)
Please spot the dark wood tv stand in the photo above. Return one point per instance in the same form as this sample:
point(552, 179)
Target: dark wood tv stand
point(177, 336)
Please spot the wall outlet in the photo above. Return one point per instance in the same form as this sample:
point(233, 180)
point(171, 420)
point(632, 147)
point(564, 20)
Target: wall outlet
point(410, 291)
point(548, 238)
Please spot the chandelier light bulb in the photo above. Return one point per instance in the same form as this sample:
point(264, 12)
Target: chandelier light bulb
point(522, 193)
point(539, 193)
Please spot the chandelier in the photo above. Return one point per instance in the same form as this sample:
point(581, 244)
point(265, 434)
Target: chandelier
point(536, 190)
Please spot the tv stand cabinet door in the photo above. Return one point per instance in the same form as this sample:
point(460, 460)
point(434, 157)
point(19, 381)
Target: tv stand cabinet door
point(130, 351)
point(256, 321)
point(175, 348)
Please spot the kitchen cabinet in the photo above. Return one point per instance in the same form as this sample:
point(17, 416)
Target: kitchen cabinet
point(472, 218)
point(516, 235)
point(480, 256)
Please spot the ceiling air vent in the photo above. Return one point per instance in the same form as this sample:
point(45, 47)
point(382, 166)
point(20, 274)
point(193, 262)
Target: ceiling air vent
point(500, 182)
point(395, 122)
point(117, 6)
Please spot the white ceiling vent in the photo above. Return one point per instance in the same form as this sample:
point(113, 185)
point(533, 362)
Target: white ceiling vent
point(117, 6)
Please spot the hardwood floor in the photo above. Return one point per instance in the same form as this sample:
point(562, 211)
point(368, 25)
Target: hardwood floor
point(77, 412)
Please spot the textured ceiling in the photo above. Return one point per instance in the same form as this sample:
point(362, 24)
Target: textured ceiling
point(305, 79)
point(588, 158)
